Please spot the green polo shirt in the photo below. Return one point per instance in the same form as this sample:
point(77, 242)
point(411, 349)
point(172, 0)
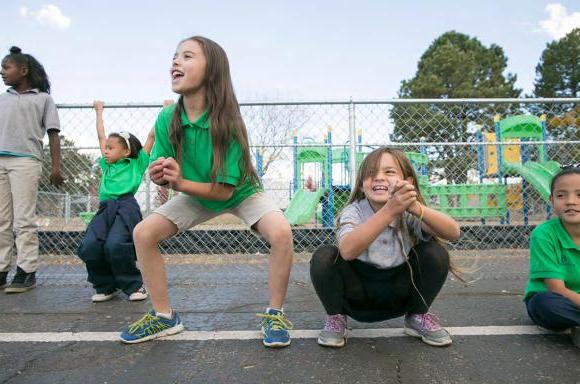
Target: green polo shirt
point(197, 157)
point(122, 177)
point(553, 255)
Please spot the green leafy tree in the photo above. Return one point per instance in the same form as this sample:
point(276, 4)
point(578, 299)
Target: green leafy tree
point(558, 75)
point(558, 72)
point(454, 66)
point(81, 177)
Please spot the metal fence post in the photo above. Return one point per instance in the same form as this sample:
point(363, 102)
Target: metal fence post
point(67, 207)
point(352, 142)
point(147, 194)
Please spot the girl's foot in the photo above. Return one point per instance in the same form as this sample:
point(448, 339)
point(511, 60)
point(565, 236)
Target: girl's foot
point(334, 332)
point(105, 296)
point(426, 327)
point(138, 295)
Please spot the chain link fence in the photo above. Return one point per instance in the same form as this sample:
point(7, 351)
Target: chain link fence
point(472, 162)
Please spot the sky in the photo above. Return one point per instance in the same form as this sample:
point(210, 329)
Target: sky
point(120, 51)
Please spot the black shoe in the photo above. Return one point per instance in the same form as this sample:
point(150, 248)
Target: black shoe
point(3, 276)
point(21, 282)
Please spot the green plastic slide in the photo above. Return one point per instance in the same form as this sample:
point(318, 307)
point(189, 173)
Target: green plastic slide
point(303, 205)
point(539, 175)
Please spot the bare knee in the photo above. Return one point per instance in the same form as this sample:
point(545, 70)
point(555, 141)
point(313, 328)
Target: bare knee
point(281, 236)
point(145, 234)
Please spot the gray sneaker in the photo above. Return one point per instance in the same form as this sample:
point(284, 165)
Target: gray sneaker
point(575, 335)
point(428, 329)
point(334, 332)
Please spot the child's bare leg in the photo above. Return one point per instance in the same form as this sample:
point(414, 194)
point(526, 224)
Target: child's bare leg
point(276, 230)
point(146, 236)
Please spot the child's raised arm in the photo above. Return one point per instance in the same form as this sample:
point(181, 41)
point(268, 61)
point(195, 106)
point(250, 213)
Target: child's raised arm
point(99, 106)
point(150, 141)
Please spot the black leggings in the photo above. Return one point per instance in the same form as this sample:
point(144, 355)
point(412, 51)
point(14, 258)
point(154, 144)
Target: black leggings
point(367, 293)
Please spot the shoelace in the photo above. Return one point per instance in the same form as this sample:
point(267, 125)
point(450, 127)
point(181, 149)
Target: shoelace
point(429, 321)
point(278, 321)
point(148, 322)
point(335, 323)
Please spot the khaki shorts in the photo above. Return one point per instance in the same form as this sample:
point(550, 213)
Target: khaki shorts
point(185, 212)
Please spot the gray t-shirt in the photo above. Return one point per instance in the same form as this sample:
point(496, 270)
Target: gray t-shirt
point(24, 119)
point(392, 246)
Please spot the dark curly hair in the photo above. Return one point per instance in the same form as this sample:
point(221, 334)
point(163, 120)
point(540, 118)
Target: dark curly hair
point(36, 76)
point(134, 142)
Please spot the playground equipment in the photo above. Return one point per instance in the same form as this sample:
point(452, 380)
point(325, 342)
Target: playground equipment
point(517, 160)
point(331, 175)
point(464, 201)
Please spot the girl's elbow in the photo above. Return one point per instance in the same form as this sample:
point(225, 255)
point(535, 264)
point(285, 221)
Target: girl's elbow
point(453, 235)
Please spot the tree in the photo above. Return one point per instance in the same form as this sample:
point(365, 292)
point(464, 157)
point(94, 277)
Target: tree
point(81, 177)
point(454, 66)
point(270, 127)
point(558, 72)
point(558, 75)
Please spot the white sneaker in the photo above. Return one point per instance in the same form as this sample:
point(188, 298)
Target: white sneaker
point(138, 295)
point(100, 297)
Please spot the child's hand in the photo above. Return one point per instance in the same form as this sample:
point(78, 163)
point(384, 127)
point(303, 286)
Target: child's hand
point(98, 105)
point(172, 173)
point(56, 178)
point(156, 172)
point(403, 197)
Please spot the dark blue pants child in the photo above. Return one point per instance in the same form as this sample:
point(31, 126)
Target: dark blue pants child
point(553, 311)
point(108, 250)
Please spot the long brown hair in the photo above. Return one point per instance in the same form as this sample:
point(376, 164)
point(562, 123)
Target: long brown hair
point(226, 123)
point(370, 167)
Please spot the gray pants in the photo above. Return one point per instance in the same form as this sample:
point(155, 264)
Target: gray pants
point(19, 178)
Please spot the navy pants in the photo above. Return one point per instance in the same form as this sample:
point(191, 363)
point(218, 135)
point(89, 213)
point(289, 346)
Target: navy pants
point(553, 311)
point(111, 264)
point(369, 294)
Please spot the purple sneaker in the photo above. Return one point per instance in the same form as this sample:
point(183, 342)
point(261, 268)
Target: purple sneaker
point(428, 329)
point(334, 332)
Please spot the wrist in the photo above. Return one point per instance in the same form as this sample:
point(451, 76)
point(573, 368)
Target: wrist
point(178, 185)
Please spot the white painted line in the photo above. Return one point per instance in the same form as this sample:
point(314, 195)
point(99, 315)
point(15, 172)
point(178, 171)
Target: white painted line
point(58, 337)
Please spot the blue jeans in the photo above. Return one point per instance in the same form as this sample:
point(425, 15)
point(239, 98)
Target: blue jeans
point(553, 311)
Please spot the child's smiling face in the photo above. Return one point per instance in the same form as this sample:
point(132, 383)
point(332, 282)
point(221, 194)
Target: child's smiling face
point(379, 188)
point(566, 199)
point(188, 68)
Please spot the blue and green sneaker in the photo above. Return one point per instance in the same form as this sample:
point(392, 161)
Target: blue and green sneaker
point(275, 326)
point(151, 327)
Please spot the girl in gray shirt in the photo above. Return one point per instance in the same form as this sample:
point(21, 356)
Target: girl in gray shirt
point(388, 262)
point(27, 112)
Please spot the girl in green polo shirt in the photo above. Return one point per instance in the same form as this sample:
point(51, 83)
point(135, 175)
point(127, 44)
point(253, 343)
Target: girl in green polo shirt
point(553, 292)
point(107, 248)
point(201, 150)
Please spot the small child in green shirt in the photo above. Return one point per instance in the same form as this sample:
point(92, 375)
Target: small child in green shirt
point(553, 292)
point(107, 248)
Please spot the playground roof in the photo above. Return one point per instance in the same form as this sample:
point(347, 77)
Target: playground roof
point(521, 126)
